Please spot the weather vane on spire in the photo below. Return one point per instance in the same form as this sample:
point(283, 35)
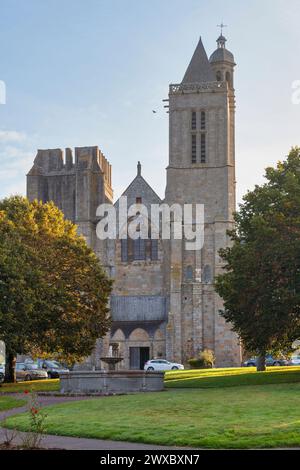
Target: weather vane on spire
point(222, 26)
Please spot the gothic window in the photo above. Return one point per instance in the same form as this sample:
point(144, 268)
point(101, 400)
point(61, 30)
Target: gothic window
point(207, 277)
point(198, 137)
point(203, 120)
point(194, 148)
point(124, 250)
point(189, 273)
point(141, 249)
point(228, 78)
point(194, 121)
point(139, 252)
point(219, 76)
point(203, 148)
point(154, 250)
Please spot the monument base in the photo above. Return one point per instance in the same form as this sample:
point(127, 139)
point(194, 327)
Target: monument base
point(101, 381)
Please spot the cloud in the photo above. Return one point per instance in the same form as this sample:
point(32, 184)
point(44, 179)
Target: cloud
point(17, 151)
point(12, 136)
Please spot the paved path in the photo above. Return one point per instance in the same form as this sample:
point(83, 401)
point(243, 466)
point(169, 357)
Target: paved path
point(72, 443)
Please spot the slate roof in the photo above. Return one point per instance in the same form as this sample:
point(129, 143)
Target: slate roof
point(222, 55)
point(199, 70)
point(140, 188)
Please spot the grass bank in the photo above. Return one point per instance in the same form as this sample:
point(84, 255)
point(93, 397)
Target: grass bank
point(215, 378)
point(35, 386)
point(262, 416)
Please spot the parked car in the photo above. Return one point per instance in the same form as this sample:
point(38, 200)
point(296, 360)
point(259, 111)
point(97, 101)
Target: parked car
point(2, 372)
point(29, 371)
point(161, 365)
point(295, 360)
point(53, 368)
point(270, 361)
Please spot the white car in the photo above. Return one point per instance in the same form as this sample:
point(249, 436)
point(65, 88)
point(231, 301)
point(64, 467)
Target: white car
point(161, 365)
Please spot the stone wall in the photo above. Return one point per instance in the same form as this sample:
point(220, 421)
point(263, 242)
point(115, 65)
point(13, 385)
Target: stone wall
point(102, 382)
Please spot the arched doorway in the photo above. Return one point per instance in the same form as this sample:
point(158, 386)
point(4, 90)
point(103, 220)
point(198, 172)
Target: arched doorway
point(139, 349)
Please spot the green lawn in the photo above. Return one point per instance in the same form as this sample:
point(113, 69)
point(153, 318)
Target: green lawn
point(36, 385)
point(6, 403)
point(236, 417)
point(214, 378)
point(210, 378)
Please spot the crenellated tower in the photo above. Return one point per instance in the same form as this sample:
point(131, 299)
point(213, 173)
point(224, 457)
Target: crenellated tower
point(76, 186)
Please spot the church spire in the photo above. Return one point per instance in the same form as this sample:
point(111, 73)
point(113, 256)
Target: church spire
point(199, 70)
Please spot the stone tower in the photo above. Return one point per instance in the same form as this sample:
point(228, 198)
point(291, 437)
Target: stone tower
point(201, 170)
point(76, 186)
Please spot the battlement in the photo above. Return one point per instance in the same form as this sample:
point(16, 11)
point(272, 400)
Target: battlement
point(182, 88)
point(51, 162)
point(76, 185)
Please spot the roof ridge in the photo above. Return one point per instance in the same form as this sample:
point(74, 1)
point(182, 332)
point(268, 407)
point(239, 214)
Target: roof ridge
point(130, 184)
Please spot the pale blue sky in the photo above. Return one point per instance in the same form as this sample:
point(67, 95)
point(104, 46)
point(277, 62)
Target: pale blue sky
point(89, 72)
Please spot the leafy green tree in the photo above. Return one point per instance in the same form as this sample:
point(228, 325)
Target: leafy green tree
point(261, 283)
point(53, 291)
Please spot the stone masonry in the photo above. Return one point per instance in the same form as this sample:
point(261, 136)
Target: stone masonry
point(163, 303)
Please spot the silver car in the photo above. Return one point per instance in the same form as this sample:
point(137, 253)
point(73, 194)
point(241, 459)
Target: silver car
point(295, 360)
point(2, 372)
point(29, 371)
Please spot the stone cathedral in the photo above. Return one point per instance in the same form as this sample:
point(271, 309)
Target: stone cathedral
point(163, 302)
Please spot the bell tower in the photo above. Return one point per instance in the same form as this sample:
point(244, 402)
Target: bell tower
point(201, 170)
point(222, 62)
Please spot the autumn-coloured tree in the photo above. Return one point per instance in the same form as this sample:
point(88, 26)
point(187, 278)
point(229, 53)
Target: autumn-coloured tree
point(53, 290)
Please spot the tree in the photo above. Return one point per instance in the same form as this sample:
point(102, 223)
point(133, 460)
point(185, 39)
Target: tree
point(53, 290)
point(261, 283)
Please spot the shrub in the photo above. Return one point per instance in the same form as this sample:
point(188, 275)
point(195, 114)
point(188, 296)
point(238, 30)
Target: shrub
point(205, 360)
point(33, 438)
